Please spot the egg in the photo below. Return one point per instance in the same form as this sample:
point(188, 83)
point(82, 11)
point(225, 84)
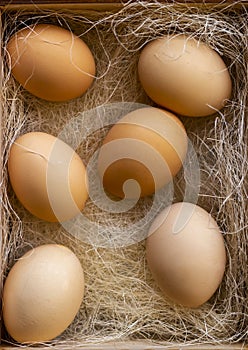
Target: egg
point(142, 152)
point(184, 75)
point(42, 293)
point(51, 62)
point(48, 176)
point(186, 254)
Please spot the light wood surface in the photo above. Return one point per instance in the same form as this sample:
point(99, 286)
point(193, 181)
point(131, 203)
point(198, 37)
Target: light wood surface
point(139, 345)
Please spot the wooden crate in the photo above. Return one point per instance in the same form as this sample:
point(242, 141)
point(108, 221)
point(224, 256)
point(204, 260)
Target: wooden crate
point(112, 5)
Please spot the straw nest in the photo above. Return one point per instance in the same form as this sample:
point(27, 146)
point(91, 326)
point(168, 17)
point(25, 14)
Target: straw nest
point(121, 300)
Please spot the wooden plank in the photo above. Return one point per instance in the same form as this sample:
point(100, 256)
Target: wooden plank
point(24, 2)
point(75, 6)
point(102, 5)
point(131, 345)
point(9, 2)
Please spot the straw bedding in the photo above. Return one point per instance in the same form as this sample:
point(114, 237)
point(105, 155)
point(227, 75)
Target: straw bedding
point(122, 302)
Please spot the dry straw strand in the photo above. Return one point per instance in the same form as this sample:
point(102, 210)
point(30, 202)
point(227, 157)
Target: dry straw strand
point(122, 301)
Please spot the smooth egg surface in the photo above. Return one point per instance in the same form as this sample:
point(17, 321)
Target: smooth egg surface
point(142, 152)
point(184, 75)
point(48, 176)
point(51, 62)
point(186, 254)
point(42, 293)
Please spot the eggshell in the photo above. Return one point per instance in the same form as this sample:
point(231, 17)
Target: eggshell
point(47, 176)
point(184, 75)
point(51, 62)
point(42, 293)
point(186, 254)
point(145, 147)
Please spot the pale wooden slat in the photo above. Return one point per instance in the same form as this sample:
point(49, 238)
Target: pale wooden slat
point(132, 345)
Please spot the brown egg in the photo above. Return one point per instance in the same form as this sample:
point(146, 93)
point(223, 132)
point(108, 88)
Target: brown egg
point(146, 147)
point(42, 294)
point(184, 75)
point(51, 62)
point(47, 176)
point(186, 254)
